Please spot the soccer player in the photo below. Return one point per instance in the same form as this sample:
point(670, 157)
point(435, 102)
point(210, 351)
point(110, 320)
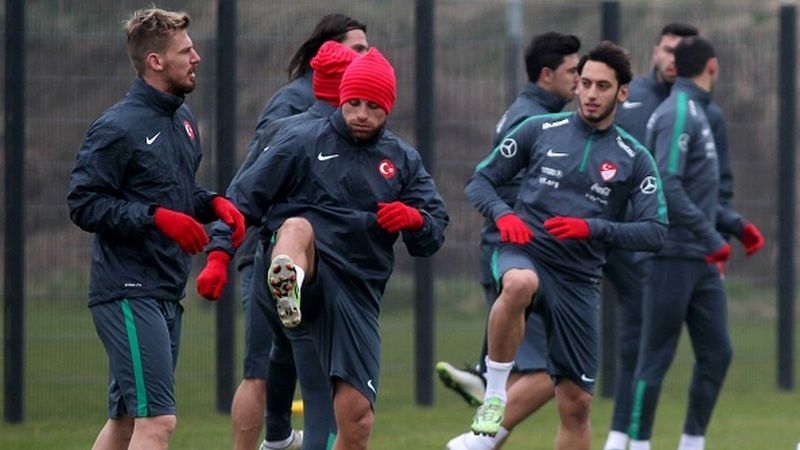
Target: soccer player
point(551, 61)
point(337, 194)
point(581, 174)
point(254, 393)
point(294, 346)
point(133, 186)
point(623, 268)
point(684, 282)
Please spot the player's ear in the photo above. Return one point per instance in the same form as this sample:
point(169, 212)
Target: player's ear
point(154, 61)
point(622, 93)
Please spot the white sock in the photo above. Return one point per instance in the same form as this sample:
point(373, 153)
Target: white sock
point(502, 434)
point(496, 378)
point(617, 440)
point(689, 442)
point(640, 445)
point(301, 274)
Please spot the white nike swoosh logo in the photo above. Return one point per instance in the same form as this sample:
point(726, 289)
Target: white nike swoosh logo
point(150, 140)
point(631, 105)
point(322, 157)
point(369, 382)
point(554, 154)
point(265, 149)
point(586, 379)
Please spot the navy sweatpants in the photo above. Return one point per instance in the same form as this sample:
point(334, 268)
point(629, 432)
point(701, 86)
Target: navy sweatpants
point(681, 290)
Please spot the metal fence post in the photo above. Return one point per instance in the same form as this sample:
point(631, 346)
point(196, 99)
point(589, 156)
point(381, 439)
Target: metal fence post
point(786, 196)
point(608, 316)
point(225, 160)
point(423, 268)
point(513, 49)
point(14, 288)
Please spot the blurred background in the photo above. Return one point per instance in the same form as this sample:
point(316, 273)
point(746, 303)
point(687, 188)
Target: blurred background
point(77, 67)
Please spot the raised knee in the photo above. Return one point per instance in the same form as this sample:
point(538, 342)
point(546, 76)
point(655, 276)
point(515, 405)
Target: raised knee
point(297, 224)
point(520, 285)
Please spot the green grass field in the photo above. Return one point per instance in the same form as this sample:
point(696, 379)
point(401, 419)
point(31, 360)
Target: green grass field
point(66, 376)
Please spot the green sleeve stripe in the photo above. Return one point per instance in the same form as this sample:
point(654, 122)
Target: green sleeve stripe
point(486, 161)
point(136, 359)
point(636, 411)
point(677, 131)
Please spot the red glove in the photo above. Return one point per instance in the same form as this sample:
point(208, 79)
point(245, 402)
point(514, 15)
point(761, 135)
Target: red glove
point(396, 216)
point(228, 213)
point(182, 228)
point(752, 239)
point(214, 275)
point(720, 255)
point(513, 229)
point(567, 228)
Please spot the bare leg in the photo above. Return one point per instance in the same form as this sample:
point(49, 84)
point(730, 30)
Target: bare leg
point(115, 434)
point(525, 396)
point(574, 406)
point(152, 433)
point(354, 417)
point(295, 239)
point(247, 413)
point(507, 317)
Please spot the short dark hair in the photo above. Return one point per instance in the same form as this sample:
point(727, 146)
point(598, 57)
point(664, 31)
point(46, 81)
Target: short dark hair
point(150, 30)
point(613, 56)
point(691, 55)
point(678, 29)
point(332, 27)
point(549, 50)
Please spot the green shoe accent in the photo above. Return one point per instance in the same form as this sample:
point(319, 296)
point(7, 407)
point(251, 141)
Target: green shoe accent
point(489, 417)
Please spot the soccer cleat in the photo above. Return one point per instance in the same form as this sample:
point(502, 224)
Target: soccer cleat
point(283, 285)
point(469, 384)
point(489, 417)
point(296, 442)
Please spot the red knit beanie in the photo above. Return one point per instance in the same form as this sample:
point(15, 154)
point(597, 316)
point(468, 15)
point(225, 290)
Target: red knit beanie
point(329, 64)
point(370, 78)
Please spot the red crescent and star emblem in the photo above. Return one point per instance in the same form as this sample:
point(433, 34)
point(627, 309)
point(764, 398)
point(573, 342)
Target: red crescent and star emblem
point(387, 169)
point(608, 170)
point(189, 130)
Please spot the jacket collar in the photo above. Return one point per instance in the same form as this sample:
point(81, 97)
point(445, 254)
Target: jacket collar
point(321, 108)
point(694, 91)
point(160, 101)
point(337, 121)
point(551, 102)
point(660, 88)
point(586, 128)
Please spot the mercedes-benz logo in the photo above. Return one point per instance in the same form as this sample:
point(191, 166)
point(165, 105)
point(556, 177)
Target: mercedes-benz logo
point(508, 148)
point(648, 185)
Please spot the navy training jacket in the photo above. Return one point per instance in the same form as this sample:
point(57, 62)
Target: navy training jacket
point(317, 171)
point(141, 153)
point(686, 153)
point(572, 169)
point(532, 101)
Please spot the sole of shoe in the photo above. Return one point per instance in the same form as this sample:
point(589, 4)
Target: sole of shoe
point(282, 279)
